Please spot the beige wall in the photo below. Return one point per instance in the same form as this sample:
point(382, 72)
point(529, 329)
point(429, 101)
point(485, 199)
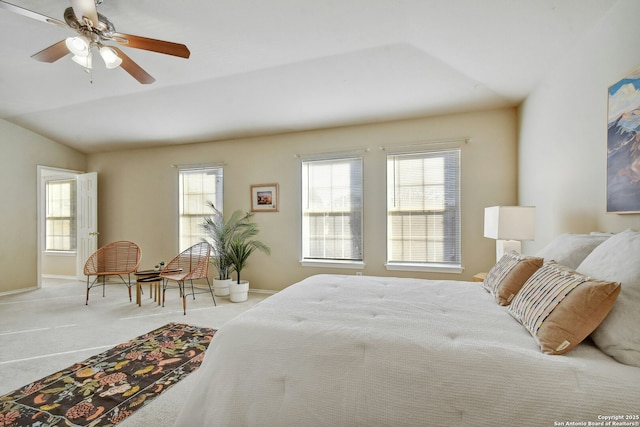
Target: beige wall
point(561, 168)
point(137, 189)
point(563, 132)
point(58, 265)
point(22, 152)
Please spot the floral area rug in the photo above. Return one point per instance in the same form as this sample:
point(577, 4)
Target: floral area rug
point(105, 389)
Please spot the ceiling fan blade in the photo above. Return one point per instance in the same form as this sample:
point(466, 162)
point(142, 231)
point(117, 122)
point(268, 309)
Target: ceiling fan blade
point(30, 14)
point(52, 53)
point(86, 9)
point(154, 45)
point(134, 69)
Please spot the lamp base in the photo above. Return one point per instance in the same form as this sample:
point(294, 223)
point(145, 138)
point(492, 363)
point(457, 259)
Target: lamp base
point(503, 246)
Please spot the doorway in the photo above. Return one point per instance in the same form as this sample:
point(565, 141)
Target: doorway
point(67, 222)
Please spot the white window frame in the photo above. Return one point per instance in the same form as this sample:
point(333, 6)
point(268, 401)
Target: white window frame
point(71, 217)
point(307, 259)
point(450, 193)
point(192, 204)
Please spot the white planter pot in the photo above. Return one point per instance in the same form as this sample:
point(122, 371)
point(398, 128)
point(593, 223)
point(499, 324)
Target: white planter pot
point(221, 287)
point(239, 292)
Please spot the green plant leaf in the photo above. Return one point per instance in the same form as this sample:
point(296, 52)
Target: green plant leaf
point(231, 241)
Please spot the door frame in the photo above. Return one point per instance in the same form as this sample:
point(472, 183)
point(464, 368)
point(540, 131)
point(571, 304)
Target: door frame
point(44, 172)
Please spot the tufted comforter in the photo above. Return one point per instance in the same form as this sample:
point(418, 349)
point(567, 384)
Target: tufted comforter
point(373, 351)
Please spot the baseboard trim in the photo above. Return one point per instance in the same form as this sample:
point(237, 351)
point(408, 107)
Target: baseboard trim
point(59, 276)
point(263, 291)
point(18, 291)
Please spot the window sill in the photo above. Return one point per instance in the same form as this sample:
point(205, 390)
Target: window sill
point(356, 265)
point(60, 253)
point(431, 268)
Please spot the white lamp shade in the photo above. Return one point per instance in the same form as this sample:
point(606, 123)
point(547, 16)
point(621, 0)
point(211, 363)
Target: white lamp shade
point(85, 61)
point(78, 45)
point(110, 57)
point(509, 222)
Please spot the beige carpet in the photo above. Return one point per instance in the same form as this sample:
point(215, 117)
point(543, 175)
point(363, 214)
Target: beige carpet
point(47, 330)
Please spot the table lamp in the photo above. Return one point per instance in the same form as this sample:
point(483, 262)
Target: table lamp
point(509, 225)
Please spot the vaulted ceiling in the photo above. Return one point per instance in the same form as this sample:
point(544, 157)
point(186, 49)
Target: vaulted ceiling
point(273, 66)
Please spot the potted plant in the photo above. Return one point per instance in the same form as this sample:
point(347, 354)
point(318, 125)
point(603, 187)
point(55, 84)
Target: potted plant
point(240, 249)
point(219, 234)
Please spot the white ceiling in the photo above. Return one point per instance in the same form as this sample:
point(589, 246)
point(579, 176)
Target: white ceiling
point(273, 66)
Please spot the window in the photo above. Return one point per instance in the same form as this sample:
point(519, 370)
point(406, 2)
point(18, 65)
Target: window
point(423, 211)
point(332, 210)
point(196, 188)
point(60, 223)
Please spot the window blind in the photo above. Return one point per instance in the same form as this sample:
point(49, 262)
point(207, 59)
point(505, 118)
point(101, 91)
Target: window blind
point(196, 188)
point(423, 208)
point(60, 223)
point(332, 209)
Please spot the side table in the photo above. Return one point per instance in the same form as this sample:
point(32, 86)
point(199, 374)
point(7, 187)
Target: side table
point(479, 277)
point(152, 277)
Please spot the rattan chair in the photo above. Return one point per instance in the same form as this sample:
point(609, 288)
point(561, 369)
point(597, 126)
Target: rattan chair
point(189, 265)
point(114, 259)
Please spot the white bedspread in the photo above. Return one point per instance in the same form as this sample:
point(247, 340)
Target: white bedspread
point(378, 351)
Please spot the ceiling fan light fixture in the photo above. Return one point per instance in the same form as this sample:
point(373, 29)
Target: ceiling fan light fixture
point(110, 57)
point(85, 61)
point(78, 45)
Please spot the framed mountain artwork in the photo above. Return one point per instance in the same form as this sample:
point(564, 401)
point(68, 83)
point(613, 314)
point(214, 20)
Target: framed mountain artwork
point(623, 145)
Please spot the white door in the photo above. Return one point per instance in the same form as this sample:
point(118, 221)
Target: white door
point(87, 219)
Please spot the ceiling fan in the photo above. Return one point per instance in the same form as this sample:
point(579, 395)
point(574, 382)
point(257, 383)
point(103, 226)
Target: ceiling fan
point(94, 31)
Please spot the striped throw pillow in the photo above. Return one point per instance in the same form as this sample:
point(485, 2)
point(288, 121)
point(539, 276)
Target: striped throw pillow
point(505, 279)
point(561, 307)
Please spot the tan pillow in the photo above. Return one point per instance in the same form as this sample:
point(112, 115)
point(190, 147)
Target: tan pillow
point(561, 307)
point(505, 279)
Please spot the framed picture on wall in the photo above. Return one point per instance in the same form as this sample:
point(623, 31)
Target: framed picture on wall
point(264, 198)
point(623, 145)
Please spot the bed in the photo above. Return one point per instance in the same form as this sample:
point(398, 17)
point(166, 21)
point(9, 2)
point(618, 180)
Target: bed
point(345, 350)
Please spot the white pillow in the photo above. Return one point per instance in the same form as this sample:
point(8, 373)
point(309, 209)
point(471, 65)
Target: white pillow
point(571, 249)
point(618, 260)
